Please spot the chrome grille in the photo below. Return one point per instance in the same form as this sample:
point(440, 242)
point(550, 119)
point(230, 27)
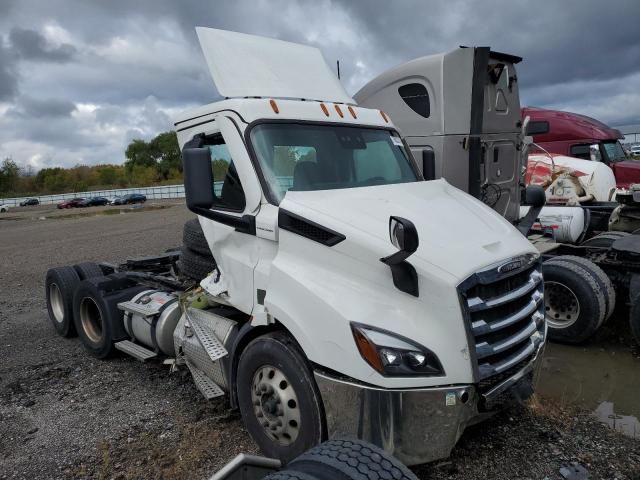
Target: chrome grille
point(505, 316)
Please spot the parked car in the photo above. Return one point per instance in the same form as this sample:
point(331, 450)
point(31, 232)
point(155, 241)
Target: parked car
point(635, 150)
point(29, 201)
point(73, 203)
point(4, 208)
point(130, 199)
point(94, 202)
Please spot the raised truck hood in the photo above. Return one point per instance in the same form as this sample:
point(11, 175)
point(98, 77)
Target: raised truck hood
point(458, 233)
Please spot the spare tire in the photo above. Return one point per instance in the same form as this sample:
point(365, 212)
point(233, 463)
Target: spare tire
point(88, 270)
point(574, 303)
point(60, 285)
point(604, 240)
point(603, 280)
point(193, 237)
point(194, 265)
point(350, 460)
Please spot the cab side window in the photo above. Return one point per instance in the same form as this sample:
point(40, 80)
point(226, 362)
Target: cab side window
point(227, 188)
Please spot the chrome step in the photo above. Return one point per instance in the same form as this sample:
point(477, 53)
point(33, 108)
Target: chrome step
point(135, 350)
point(207, 387)
point(212, 345)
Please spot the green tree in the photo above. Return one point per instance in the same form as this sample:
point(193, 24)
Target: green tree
point(9, 173)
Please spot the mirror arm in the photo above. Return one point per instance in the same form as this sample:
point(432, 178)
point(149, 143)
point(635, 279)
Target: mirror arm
point(245, 224)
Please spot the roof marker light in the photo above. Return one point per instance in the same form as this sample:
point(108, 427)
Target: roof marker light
point(274, 106)
point(339, 111)
point(324, 109)
point(386, 120)
point(352, 111)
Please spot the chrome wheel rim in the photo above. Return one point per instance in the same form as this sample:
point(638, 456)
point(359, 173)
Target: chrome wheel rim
point(275, 405)
point(561, 305)
point(91, 319)
point(56, 302)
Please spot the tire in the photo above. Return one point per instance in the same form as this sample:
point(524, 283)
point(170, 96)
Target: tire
point(290, 404)
point(193, 238)
point(195, 266)
point(604, 240)
point(60, 286)
point(602, 279)
point(289, 475)
point(350, 460)
point(634, 320)
point(98, 320)
point(571, 287)
point(88, 270)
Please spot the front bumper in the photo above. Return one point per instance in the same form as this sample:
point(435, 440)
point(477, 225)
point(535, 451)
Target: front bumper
point(418, 425)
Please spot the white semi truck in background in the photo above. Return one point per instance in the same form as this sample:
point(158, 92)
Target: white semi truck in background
point(347, 296)
point(459, 112)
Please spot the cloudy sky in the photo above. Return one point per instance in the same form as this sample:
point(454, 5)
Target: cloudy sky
point(79, 79)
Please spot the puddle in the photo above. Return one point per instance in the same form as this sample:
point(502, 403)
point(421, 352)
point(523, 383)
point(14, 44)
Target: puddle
point(606, 382)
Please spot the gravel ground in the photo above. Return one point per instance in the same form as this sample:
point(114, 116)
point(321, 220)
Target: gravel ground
point(64, 414)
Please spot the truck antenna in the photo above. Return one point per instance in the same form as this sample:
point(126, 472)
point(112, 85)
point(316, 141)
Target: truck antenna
point(338, 64)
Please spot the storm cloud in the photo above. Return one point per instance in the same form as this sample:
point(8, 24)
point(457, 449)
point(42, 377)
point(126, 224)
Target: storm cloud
point(79, 79)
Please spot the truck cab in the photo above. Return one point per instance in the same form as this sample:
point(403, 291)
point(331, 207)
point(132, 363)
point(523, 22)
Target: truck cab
point(360, 312)
point(579, 136)
point(463, 108)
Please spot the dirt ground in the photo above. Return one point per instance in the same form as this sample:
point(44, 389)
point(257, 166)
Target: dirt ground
point(64, 414)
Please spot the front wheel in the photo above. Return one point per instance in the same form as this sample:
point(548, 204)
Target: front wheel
point(278, 397)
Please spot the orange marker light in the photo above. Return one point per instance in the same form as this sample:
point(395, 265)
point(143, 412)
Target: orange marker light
point(352, 112)
point(386, 120)
point(339, 111)
point(324, 109)
point(274, 106)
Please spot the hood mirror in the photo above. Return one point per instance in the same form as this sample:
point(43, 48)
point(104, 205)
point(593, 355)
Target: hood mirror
point(404, 237)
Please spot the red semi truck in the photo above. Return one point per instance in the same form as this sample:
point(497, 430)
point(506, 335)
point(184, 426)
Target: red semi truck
point(584, 137)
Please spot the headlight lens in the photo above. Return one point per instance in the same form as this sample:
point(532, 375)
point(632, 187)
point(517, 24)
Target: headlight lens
point(395, 356)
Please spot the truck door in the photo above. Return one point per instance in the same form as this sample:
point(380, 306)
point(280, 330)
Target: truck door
point(236, 192)
point(497, 158)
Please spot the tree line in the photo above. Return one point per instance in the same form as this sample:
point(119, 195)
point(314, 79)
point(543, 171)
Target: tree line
point(155, 162)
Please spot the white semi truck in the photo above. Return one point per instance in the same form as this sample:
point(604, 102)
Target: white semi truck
point(349, 296)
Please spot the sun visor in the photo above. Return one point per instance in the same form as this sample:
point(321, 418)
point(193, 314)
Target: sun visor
point(244, 65)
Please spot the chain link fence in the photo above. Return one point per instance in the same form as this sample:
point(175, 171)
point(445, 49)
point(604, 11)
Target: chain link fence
point(152, 193)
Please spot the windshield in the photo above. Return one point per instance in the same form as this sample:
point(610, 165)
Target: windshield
point(323, 157)
point(614, 151)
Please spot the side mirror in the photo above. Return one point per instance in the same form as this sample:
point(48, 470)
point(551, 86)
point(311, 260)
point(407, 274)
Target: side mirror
point(404, 237)
point(428, 164)
point(198, 190)
point(535, 196)
point(198, 178)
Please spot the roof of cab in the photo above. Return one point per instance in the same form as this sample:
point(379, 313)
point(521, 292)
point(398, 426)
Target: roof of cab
point(252, 109)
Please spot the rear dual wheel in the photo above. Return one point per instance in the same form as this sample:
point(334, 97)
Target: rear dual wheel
point(60, 285)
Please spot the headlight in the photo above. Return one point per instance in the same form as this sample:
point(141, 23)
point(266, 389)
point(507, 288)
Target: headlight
point(395, 356)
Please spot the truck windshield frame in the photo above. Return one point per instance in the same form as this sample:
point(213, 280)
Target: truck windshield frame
point(309, 156)
point(615, 148)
